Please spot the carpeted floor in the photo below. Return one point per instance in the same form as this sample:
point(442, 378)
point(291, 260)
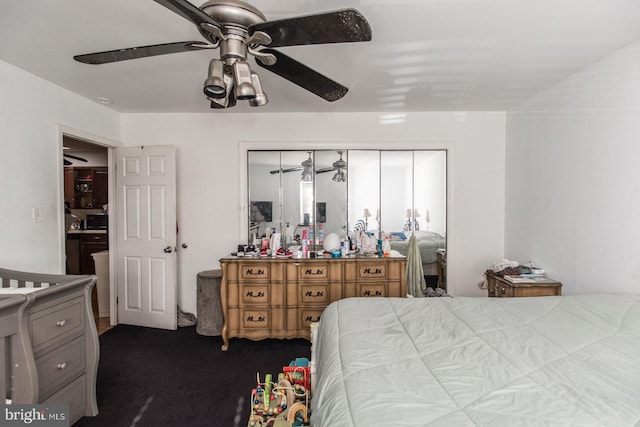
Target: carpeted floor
point(152, 377)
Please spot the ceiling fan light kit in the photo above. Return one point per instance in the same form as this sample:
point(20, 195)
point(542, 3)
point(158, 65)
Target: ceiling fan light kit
point(238, 29)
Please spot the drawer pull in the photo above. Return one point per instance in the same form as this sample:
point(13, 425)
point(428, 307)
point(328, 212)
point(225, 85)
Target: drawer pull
point(314, 295)
point(369, 293)
point(251, 294)
point(62, 365)
point(61, 323)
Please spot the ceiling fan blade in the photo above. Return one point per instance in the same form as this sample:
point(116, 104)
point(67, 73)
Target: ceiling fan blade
point(298, 168)
point(323, 170)
point(304, 76)
point(340, 26)
point(71, 156)
point(139, 52)
point(190, 12)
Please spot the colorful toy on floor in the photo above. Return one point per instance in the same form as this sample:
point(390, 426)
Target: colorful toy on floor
point(284, 403)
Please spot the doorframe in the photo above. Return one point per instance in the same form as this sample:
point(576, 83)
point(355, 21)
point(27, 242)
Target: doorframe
point(110, 144)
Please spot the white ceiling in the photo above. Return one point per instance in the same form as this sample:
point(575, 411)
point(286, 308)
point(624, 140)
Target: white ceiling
point(426, 55)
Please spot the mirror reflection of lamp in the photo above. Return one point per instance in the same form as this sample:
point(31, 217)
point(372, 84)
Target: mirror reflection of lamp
point(366, 214)
point(412, 219)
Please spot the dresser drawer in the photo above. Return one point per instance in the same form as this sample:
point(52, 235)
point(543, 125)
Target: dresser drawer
point(255, 271)
point(255, 318)
point(255, 294)
point(307, 316)
point(372, 289)
point(314, 294)
point(373, 270)
point(313, 271)
point(74, 396)
point(56, 323)
point(61, 365)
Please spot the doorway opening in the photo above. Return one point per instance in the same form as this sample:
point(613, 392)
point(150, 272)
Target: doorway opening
point(86, 201)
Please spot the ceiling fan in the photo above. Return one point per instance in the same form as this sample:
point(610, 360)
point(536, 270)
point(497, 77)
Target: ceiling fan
point(71, 156)
point(306, 167)
point(340, 166)
point(239, 30)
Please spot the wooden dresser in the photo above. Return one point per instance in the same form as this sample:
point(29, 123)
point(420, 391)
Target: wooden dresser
point(280, 298)
point(497, 286)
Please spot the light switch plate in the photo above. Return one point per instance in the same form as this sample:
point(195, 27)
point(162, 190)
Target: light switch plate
point(38, 214)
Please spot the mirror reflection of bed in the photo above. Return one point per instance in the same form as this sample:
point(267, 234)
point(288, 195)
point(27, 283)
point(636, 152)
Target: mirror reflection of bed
point(429, 243)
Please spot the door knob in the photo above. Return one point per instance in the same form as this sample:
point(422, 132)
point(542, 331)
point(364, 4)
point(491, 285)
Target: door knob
point(168, 250)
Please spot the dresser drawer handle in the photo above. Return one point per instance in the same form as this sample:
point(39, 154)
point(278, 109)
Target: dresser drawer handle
point(61, 323)
point(62, 365)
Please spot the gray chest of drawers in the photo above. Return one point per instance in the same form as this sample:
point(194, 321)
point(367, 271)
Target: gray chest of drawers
point(54, 354)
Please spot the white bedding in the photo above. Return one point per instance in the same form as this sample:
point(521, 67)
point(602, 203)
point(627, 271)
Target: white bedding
point(570, 360)
point(428, 243)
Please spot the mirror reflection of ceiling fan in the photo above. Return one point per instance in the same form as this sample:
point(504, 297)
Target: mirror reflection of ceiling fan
point(239, 29)
point(71, 156)
point(340, 166)
point(306, 167)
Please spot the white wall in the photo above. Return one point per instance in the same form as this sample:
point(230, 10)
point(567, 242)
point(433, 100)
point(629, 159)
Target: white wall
point(210, 168)
point(31, 113)
point(573, 178)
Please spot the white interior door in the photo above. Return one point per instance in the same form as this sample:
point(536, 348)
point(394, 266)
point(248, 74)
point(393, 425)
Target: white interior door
point(146, 270)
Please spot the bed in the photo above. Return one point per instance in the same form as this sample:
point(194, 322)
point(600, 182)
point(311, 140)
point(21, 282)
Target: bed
point(428, 243)
point(559, 360)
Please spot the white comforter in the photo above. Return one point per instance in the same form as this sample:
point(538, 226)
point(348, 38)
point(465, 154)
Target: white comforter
point(544, 361)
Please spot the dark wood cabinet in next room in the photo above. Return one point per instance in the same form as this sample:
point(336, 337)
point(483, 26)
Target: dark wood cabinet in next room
point(86, 188)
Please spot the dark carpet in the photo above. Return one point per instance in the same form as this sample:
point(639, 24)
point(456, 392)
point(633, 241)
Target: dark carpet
point(152, 377)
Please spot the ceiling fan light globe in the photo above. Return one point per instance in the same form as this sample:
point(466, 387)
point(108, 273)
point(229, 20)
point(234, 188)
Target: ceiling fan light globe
point(243, 87)
point(245, 91)
point(306, 175)
point(215, 90)
point(215, 86)
point(261, 97)
point(259, 100)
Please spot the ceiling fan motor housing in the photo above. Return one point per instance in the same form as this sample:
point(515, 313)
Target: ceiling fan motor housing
point(233, 12)
point(236, 16)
